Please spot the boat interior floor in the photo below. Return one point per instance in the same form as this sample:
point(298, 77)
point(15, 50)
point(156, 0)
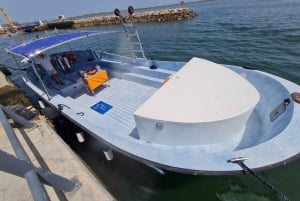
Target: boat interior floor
point(125, 93)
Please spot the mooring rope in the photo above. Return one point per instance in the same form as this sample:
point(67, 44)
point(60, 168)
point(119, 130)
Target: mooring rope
point(240, 162)
point(264, 181)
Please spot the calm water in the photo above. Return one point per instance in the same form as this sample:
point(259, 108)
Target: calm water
point(262, 34)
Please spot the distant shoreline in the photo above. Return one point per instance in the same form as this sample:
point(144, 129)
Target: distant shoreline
point(164, 15)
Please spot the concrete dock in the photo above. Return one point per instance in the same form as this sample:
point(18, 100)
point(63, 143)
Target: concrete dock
point(47, 150)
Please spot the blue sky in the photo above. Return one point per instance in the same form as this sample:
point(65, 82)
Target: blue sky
point(33, 10)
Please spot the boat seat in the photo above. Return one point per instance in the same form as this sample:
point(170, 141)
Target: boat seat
point(64, 64)
point(94, 81)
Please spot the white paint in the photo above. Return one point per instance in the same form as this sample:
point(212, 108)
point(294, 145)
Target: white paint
point(203, 103)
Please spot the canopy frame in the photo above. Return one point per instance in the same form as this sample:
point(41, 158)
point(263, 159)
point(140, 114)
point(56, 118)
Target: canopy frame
point(30, 49)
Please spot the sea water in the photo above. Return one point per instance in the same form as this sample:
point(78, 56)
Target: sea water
point(260, 34)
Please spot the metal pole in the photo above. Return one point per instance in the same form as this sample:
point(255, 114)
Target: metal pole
point(38, 191)
point(126, 29)
point(20, 153)
point(20, 168)
point(33, 181)
point(40, 79)
point(17, 118)
point(47, 177)
point(130, 10)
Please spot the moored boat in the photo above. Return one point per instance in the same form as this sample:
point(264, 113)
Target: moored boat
point(30, 28)
point(189, 117)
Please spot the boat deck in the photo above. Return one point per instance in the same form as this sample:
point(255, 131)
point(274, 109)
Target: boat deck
point(128, 88)
point(122, 95)
point(124, 92)
point(271, 134)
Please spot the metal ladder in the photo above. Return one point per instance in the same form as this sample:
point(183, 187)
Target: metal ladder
point(131, 33)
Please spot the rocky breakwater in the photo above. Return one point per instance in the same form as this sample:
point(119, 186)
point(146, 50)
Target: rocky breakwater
point(151, 16)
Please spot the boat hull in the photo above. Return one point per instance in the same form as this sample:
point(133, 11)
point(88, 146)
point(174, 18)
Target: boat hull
point(263, 142)
point(266, 132)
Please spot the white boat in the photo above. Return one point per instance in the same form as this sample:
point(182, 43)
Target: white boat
point(190, 117)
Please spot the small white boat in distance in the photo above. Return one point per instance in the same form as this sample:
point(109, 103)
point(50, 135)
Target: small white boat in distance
point(190, 117)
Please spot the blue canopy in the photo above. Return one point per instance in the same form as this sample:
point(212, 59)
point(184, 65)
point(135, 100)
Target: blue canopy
point(34, 47)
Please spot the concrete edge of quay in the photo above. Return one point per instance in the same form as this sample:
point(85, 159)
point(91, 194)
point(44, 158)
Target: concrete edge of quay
point(47, 150)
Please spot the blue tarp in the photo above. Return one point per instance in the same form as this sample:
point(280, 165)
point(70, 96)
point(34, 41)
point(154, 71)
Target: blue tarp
point(31, 48)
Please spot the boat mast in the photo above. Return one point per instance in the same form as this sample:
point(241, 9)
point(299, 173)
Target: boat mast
point(131, 32)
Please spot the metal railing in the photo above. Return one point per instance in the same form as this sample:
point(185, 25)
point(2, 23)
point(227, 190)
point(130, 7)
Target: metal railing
point(20, 165)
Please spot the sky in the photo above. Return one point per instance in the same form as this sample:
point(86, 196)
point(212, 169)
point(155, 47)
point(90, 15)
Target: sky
point(33, 10)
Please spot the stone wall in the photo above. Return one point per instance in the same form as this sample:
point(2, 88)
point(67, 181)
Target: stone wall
point(151, 16)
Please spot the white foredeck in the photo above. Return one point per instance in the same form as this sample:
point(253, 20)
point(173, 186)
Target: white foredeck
point(202, 91)
point(203, 103)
